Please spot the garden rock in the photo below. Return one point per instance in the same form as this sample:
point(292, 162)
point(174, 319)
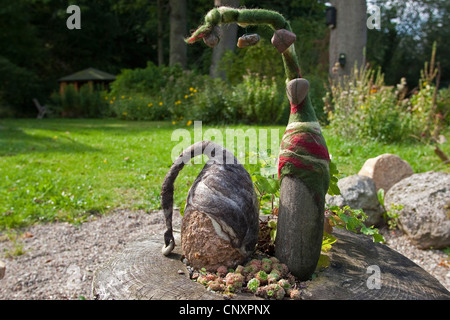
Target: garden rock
point(359, 192)
point(386, 170)
point(425, 217)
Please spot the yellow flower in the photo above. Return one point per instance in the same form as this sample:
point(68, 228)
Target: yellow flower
point(186, 96)
point(195, 90)
point(114, 98)
point(173, 122)
point(362, 107)
point(149, 105)
point(191, 89)
point(129, 98)
point(106, 98)
point(161, 103)
point(104, 161)
point(373, 91)
point(189, 123)
point(111, 102)
point(123, 97)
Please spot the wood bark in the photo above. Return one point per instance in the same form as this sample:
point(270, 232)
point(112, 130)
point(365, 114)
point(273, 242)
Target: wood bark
point(350, 35)
point(227, 42)
point(160, 33)
point(141, 272)
point(299, 229)
point(178, 30)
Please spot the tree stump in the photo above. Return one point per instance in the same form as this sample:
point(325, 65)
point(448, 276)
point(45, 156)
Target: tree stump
point(140, 271)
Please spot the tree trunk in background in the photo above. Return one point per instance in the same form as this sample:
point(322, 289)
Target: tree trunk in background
point(349, 37)
point(227, 42)
point(160, 33)
point(178, 30)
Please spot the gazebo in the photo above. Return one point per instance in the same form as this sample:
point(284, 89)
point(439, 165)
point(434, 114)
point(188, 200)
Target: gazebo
point(88, 76)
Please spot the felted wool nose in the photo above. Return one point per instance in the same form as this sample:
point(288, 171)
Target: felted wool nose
point(297, 90)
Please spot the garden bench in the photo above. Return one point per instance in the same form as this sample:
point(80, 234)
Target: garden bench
point(41, 109)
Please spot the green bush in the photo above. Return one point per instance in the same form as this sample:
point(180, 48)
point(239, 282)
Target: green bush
point(211, 104)
point(18, 86)
point(265, 61)
point(139, 108)
point(262, 58)
point(259, 98)
point(149, 80)
point(87, 103)
point(362, 106)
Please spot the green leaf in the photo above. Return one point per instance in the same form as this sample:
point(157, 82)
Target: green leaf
point(272, 224)
point(266, 185)
point(380, 195)
point(327, 241)
point(273, 234)
point(333, 189)
point(378, 237)
point(324, 261)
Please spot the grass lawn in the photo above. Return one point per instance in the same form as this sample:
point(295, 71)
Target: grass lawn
point(64, 170)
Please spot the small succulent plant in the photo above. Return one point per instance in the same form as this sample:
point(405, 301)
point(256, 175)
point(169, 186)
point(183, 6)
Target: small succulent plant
point(253, 285)
point(267, 278)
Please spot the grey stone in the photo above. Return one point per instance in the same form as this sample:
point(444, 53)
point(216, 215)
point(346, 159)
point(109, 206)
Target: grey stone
point(425, 217)
point(359, 192)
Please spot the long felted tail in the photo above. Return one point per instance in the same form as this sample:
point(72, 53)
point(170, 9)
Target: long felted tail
point(215, 152)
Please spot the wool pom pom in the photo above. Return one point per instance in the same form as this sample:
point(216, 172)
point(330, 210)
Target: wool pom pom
point(248, 40)
point(282, 39)
point(212, 39)
point(297, 90)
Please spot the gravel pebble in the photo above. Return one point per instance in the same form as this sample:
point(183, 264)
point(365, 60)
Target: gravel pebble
point(60, 258)
point(435, 262)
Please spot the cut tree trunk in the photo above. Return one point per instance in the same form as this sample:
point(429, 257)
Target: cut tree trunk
point(299, 228)
point(141, 272)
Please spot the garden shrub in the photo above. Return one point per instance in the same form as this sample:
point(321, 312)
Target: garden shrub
point(18, 86)
point(154, 93)
point(149, 80)
point(139, 107)
point(211, 104)
point(362, 106)
point(259, 98)
point(264, 60)
point(87, 103)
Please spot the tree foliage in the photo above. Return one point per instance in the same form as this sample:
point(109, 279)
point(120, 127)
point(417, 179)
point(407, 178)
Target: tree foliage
point(36, 48)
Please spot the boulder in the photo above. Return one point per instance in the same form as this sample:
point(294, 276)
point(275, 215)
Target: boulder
point(425, 217)
point(386, 170)
point(359, 192)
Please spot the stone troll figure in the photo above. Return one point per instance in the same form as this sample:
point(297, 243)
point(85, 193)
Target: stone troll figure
point(303, 159)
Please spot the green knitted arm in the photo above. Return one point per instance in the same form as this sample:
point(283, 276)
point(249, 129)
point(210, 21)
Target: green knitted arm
point(210, 32)
point(303, 151)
